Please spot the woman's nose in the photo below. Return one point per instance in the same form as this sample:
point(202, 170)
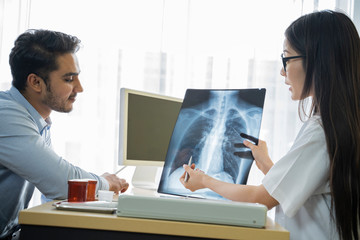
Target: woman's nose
point(282, 72)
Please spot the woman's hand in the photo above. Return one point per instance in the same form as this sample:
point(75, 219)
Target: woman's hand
point(197, 178)
point(261, 155)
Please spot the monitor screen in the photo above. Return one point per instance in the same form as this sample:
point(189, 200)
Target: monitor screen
point(147, 121)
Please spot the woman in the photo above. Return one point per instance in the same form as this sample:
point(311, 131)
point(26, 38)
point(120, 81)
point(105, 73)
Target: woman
point(316, 185)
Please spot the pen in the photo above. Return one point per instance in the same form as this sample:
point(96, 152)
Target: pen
point(186, 174)
point(120, 170)
point(251, 138)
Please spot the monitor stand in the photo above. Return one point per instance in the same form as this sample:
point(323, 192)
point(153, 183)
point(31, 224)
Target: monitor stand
point(147, 177)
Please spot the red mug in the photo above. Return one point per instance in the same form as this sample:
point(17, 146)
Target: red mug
point(77, 189)
point(91, 188)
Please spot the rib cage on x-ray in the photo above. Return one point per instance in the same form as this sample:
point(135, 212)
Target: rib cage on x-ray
point(207, 130)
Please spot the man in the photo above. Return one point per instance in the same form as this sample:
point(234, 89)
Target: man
point(45, 74)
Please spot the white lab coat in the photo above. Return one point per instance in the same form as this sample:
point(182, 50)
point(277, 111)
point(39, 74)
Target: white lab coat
point(300, 183)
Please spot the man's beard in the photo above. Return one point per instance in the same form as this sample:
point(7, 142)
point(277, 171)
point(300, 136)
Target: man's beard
point(55, 103)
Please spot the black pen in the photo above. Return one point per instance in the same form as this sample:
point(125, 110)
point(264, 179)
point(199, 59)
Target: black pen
point(248, 137)
point(186, 174)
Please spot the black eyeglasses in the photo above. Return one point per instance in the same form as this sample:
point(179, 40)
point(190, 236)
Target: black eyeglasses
point(285, 59)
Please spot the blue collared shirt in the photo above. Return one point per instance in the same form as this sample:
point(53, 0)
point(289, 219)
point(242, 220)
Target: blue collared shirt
point(27, 160)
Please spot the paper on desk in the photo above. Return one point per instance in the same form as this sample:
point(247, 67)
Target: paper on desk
point(91, 206)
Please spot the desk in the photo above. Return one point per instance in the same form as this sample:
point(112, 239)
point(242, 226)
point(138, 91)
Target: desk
point(45, 222)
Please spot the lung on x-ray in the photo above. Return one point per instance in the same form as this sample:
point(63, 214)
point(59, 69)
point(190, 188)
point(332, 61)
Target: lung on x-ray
point(210, 129)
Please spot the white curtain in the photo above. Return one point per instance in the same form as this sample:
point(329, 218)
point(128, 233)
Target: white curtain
point(162, 46)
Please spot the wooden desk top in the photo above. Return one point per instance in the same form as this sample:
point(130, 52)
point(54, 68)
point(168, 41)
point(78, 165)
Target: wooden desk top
point(48, 215)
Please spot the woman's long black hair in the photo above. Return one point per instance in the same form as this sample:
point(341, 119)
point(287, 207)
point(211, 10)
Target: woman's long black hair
point(331, 44)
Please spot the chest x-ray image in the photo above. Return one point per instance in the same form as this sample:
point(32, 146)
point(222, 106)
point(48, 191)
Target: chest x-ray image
point(210, 129)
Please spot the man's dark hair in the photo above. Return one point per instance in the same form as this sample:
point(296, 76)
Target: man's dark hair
point(36, 51)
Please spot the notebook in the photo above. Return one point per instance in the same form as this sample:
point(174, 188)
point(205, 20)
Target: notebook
point(210, 129)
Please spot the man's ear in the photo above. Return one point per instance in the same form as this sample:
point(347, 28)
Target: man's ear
point(34, 82)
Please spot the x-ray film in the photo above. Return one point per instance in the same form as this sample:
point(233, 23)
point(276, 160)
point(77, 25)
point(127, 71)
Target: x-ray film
point(210, 129)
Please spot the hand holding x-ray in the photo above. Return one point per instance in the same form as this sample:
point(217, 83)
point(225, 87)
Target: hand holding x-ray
point(196, 180)
point(244, 151)
point(259, 152)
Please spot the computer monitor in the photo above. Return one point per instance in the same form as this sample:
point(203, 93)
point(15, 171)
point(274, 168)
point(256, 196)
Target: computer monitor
point(146, 122)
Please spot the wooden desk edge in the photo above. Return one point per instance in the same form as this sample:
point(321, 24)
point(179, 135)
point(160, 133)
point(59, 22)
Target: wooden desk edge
point(47, 215)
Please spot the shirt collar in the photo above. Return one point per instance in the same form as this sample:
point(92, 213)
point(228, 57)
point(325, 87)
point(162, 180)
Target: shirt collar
point(40, 122)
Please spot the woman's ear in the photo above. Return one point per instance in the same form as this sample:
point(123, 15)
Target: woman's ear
point(34, 82)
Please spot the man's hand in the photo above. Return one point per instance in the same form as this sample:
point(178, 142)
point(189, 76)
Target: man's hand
point(116, 184)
